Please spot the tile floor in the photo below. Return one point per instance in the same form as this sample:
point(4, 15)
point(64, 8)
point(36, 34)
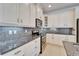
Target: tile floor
point(54, 50)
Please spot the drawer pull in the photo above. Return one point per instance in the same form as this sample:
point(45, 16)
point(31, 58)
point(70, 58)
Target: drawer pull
point(35, 55)
point(17, 52)
point(18, 20)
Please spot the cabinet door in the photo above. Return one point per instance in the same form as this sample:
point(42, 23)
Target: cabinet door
point(39, 12)
point(1, 12)
point(24, 14)
point(58, 38)
point(10, 13)
point(76, 12)
point(15, 52)
point(53, 20)
point(50, 21)
point(32, 15)
point(72, 38)
point(66, 19)
point(49, 38)
point(25, 50)
point(37, 47)
point(55, 39)
point(28, 50)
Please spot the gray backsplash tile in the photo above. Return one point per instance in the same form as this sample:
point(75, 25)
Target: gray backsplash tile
point(64, 30)
point(11, 37)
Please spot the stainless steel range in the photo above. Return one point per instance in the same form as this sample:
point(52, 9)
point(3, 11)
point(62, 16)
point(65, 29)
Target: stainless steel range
point(43, 42)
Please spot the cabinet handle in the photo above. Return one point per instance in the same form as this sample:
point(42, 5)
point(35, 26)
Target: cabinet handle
point(17, 52)
point(18, 20)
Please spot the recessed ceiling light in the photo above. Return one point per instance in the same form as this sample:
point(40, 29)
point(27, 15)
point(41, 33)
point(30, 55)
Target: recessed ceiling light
point(49, 6)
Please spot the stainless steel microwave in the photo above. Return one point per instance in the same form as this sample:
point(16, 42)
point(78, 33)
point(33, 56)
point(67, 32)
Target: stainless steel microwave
point(38, 23)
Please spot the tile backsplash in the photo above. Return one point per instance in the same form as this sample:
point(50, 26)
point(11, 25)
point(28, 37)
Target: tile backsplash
point(64, 30)
point(11, 37)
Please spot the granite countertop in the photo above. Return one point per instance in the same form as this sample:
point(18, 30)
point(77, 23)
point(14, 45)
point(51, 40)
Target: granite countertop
point(72, 49)
point(32, 37)
point(35, 36)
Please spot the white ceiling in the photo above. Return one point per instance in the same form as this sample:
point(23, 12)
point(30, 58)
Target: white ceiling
point(56, 6)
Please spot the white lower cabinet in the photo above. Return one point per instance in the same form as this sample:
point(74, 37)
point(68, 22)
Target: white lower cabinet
point(58, 38)
point(37, 43)
point(71, 38)
point(54, 39)
point(16, 52)
point(33, 48)
point(49, 38)
point(30, 49)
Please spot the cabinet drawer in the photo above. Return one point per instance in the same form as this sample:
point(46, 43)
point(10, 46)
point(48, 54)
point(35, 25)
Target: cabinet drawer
point(72, 39)
point(16, 52)
point(19, 53)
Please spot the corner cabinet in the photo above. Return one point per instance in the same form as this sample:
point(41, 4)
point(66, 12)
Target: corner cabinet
point(30, 49)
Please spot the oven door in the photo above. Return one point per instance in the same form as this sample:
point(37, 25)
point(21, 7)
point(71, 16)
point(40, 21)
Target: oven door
point(43, 43)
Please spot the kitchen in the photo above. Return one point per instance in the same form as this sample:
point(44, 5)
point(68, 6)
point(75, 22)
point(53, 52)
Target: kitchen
point(39, 29)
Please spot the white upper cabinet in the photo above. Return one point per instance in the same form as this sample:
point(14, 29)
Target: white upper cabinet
point(53, 20)
point(13, 13)
point(76, 12)
point(9, 13)
point(24, 14)
point(39, 12)
point(35, 12)
point(66, 19)
point(1, 13)
point(32, 15)
point(50, 21)
point(19, 14)
point(62, 19)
